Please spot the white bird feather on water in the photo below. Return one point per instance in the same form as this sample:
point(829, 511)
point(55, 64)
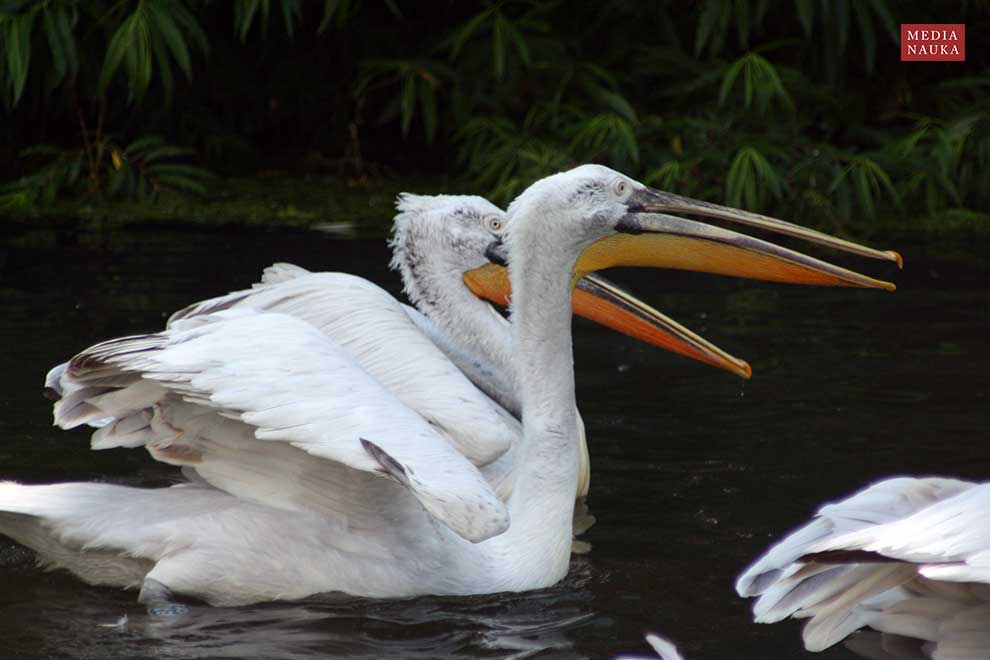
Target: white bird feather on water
point(905, 557)
point(665, 650)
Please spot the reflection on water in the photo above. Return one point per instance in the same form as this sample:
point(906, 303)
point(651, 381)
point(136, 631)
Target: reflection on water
point(695, 472)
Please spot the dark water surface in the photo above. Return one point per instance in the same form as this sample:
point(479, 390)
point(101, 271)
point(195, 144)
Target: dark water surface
point(695, 471)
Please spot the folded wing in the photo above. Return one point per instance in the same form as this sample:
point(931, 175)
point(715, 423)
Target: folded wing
point(290, 383)
point(374, 328)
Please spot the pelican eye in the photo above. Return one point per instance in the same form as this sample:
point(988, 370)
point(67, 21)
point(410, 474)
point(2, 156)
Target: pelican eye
point(494, 224)
point(620, 188)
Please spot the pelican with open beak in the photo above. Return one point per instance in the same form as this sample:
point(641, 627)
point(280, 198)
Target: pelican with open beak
point(312, 475)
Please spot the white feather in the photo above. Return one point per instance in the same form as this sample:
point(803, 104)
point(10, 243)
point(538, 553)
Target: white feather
point(931, 537)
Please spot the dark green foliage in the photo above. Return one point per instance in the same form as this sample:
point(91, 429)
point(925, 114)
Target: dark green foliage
point(798, 107)
point(141, 169)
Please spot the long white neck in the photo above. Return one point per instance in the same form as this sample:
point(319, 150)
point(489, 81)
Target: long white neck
point(542, 503)
point(437, 290)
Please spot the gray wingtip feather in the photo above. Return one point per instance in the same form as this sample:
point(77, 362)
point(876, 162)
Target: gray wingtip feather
point(388, 464)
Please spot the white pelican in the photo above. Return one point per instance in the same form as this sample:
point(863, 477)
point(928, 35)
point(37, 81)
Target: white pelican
point(439, 247)
point(908, 558)
point(372, 500)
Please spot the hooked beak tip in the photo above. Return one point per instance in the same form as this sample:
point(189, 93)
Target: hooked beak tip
point(746, 371)
point(896, 256)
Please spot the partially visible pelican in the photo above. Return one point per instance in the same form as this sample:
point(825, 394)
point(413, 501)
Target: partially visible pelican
point(908, 558)
point(372, 499)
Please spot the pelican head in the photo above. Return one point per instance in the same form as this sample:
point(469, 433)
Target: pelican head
point(450, 232)
point(446, 250)
point(602, 218)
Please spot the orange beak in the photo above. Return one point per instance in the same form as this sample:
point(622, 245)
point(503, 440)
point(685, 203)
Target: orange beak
point(601, 301)
point(649, 200)
point(664, 241)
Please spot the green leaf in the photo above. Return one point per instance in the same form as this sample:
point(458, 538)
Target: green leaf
point(742, 16)
point(466, 31)
point(428, 106)
point(498, 46)
point(169, 31)
point(340, 10)
point(806, 14)
point(522, 49)
point(393, 7)
point(751, 178)
point(64, 25)
point(729, 79)
point(880, 9)
point(120, 45)
point(841, 8)
point(178, 169)
point(865, 21)
point(164, 67)
point(291, 12)
point(618, 103)
point(244, 13)
point(18, 53)
point(408, 103)
point(143, 144)
point(118, 180)
point(166, 151)
point(182, 183)
point(711, 15)
point(628, 139)
point(54, 36)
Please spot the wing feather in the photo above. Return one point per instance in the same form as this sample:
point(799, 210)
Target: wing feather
point(374, 328)
point(290, 382)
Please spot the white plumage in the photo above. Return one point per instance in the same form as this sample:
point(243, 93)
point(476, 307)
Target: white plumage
point(283, 378)
point(221, 390)
point(906, 557)
point(310, 470)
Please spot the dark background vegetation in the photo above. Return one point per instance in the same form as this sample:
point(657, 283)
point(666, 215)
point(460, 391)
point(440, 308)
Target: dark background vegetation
point(800, 108)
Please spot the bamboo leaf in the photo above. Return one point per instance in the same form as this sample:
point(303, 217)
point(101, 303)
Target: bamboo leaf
point(466, 31)
point(244, 13)
point(628, 138)
point(181, 183)
point(408, 103)
point(865, 21)
point(742, 16)
point(618, 103)
point(64, 25)
point(172, 37)
point(166, 151)
point(143, 144)
point(291, 12)
point(841, 8)
point(393, 7)
point(522, 49)
point(890, 25)
point(120, 45)
point(428, 106)
point(164, 68)
point(729, 79)
point(18, 53)
point(55, 45)
point(178, 169)
point(711, 15)
point(806, 14)
point(498, 46)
